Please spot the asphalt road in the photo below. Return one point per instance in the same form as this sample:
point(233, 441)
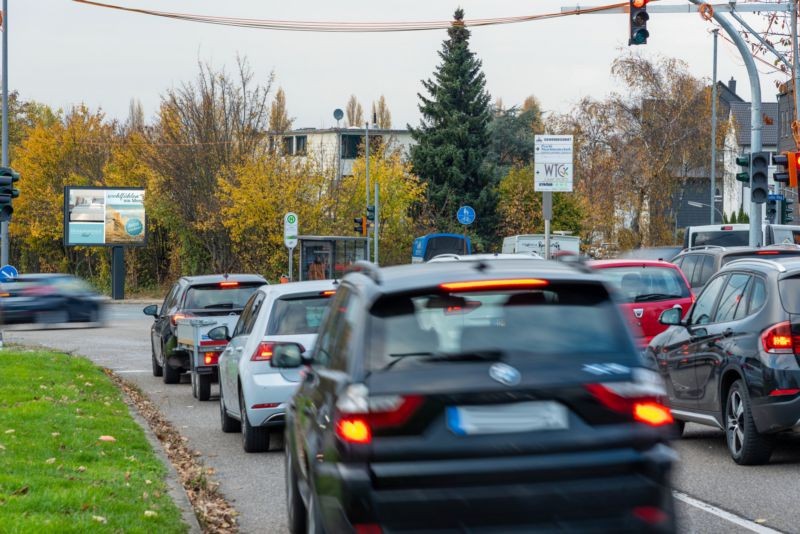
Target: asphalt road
point(714, 494)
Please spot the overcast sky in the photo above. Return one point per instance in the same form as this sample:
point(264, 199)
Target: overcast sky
point(63, 53)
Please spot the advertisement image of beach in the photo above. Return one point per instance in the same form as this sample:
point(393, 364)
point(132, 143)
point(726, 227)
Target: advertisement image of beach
point(125, 217)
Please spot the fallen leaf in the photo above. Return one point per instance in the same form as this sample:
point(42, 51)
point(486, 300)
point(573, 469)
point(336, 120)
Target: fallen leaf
point(81, 469)
point(148, 482)
point(50, 461)
point(127, 475)
point(150, 513)
point(10, 431)
point(55, 434)
point(761, 520)
point(107, 438)
point(2, 448)
point(22, 491)
point(88, 384)
point(99, 519)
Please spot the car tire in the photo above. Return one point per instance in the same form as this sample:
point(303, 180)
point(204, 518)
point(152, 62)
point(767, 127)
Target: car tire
point(228, 424)
point(746, 445)
point(157, 369)
point(203, 387)
point(295, 508)
point(680, 426)
point(193, 381)
point(313, 516)
point(254, 439)
point(171, 375)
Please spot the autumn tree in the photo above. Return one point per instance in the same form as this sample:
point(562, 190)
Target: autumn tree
point(279, 120)
point(354, 112)
point(381, 114)
point(452, 140)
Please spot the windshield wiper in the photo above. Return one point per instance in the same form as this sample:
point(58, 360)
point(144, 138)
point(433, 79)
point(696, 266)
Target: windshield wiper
point(654, 296)
point(225, 305)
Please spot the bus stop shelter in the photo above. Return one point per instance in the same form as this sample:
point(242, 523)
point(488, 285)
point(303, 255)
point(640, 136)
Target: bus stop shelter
point(328, 257)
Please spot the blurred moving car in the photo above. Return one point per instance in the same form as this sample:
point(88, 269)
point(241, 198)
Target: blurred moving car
point(253, 393)
point(732, 363)
point(700, 263)
point(210, 296)
point(646, 288)
point(50, 299)
point(651, 253)
point(499, 396)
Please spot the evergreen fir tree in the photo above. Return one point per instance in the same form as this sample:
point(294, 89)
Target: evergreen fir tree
point(452, 140)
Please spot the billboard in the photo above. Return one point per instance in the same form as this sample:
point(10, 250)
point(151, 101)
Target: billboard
point(104, 216)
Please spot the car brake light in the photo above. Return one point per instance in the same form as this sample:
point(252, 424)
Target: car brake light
point(784, 392)
point(228, 284)
point(650, 515)
point(211, 358)
point(263, 352)
point(637, 398)
point(727, 228)
point(765, 252)
point(778, 339)
point(367, 528)
point(175, 317)
point(482, 285)
point(358, 414)
point(328, 293)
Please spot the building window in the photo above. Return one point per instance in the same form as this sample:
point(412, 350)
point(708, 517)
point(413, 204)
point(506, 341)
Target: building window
point(350, 145)
point(300, 142)
point(288, 145)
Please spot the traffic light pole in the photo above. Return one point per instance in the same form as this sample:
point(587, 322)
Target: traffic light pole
point(4, 224)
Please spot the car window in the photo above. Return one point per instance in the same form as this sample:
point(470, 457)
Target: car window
point(245, 323)
point(688, 265)
point(637, 283)
point(704, 307)
point(297, 314)
point(758, 295)
point(329, 331)
point(340, 356)
point(731, 297)
point(169, 300)
point(706, 269)
point(224, 295)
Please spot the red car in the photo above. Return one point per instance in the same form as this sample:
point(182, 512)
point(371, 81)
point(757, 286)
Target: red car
point(646, 288)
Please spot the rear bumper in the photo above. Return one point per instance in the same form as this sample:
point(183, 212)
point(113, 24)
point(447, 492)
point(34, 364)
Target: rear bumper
point(267, 388)
point(586, 492)
point(776, 414)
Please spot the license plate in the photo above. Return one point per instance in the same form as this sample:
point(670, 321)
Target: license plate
point(507, 418)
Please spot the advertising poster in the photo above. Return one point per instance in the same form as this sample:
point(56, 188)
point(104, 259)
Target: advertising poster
point(104, 216)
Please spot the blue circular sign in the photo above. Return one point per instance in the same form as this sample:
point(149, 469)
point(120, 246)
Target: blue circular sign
point(466, 215)
point(8, 273)
point(134, 227)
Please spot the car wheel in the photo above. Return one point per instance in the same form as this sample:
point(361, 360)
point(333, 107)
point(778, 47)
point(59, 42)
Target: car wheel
point(203, 387)
point(171, 375)
point(313, 518)
point(227, 423)
point(254, 439)
point(157, 369)
point(295, 509)
point(680, 426)
point(746, 445)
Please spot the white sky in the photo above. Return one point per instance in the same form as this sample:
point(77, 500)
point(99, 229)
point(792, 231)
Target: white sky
point(63, 53)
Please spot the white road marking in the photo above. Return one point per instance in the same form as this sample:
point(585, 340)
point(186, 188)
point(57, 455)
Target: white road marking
point(752, 526)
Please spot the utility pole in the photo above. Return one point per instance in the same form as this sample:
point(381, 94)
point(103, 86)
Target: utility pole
point(713, 201)
point(366, 153)
point(4, 225)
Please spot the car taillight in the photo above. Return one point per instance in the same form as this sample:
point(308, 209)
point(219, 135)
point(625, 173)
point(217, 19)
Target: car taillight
point(263, 352)
point(486, 285)
point(778, 339)
point(211, 358)
point(637, 398)
point(175, 317)
point(229, 284)
point(358, 414)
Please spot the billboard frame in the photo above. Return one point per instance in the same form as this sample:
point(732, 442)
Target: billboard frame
point(65, 214)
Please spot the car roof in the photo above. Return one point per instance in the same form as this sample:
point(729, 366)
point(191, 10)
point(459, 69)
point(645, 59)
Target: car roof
point(217, 278)
point(425, 275)
point(786, 265)
point(605, 264)
point(290, 288)
point(492, 257)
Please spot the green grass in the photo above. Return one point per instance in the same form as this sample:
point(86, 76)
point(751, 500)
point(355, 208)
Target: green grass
point(56, 475)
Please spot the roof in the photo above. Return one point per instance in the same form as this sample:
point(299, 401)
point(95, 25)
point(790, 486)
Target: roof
point(769, 132)
point(492, 257)
point(290, 288)
point(651, 253)
point(217, 278)
point(603, 264)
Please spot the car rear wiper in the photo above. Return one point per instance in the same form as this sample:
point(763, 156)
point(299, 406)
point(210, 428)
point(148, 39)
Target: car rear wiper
point(655, 296)
point(224, 305)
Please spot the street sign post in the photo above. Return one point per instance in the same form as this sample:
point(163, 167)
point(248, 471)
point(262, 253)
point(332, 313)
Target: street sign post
point(290, 237)
point(8, 273)
point(552, 171)
point(466, 216)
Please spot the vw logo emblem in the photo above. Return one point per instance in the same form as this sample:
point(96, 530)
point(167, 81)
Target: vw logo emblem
point(505, 374)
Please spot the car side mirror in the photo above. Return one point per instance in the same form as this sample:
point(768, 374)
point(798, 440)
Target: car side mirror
point(219, 333)
point(287, 356)
point(151, 310)
point(671, 317)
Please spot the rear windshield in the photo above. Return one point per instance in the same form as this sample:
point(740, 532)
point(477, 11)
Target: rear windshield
point(218, 296)
point(786, 236)
point(444, 245)
point(297, 315)
point(646, 284)
point(575, 320)
point(763, 253)
point(789, 290)
point(721, 238)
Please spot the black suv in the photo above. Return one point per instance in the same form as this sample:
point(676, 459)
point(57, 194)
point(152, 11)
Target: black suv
point(194, 296)
point(700, 263)
point(476, 395)
point(733, 362)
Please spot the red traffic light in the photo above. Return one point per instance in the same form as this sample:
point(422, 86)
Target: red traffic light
point(639, 3)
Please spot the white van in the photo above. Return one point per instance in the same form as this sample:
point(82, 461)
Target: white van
point(517, 244)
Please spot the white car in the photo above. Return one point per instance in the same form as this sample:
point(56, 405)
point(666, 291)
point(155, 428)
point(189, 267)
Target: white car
point(252, 393)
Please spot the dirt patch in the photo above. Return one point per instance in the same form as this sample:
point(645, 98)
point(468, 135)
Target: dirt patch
point(213, 512)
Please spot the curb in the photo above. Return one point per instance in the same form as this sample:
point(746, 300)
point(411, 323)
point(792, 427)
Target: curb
point(176, 490)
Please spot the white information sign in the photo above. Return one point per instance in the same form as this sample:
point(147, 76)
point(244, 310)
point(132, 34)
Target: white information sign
point(553, 163)
point(290, 230)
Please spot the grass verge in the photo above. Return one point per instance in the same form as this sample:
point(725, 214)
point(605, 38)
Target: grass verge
point(72, 459)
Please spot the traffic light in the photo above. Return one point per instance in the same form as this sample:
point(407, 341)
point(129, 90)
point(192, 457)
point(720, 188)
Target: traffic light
point(759, 170)
point(360, 225)
point(787, 211)
point(638, 20)
point(371, 213)
point(7, 192)
point(790, 161)
point(744, 162)
point(772, 211)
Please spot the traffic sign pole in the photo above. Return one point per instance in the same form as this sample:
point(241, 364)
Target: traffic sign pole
point(290, 224)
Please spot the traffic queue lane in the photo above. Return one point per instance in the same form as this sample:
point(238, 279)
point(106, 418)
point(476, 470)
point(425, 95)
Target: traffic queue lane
point(714, 494)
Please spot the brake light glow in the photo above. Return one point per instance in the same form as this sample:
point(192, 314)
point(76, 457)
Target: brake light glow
point(354, 430)
point(359, 414)
point(637, 397)
point(767, 252)
point(481, 285)
point(175, 317)
point(727, 228)
point(263, 352)
point(652, 413)
point(367, 528)
point(783, 392)
point(328, 293)
point(228, 284)
point(650, 515)
point(778, 339)
point(211, 358)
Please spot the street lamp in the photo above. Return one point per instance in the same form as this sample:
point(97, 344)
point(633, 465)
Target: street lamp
point(694, 204)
